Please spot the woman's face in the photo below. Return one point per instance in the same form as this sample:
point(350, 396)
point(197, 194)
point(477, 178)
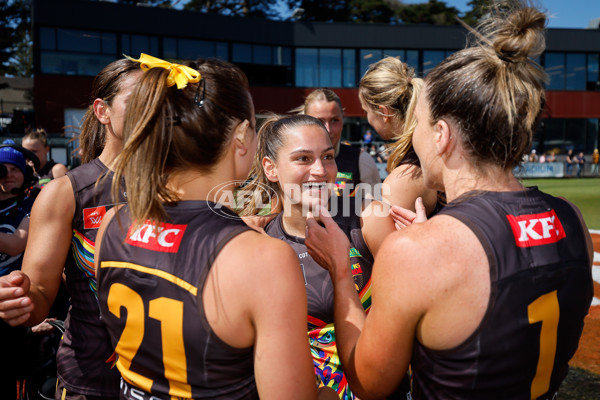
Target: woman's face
point(330, 114)
point(37, 148)
point(13, 180)
point(305, 168)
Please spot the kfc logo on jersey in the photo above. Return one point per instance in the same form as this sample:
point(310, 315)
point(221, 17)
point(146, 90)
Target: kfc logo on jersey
point(165, 238)
point(536, 229)
point(92, 217)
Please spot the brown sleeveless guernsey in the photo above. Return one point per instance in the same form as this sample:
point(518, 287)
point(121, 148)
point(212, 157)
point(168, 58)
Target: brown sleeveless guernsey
point(85, 361)
point(541, 289)
point(150, 285)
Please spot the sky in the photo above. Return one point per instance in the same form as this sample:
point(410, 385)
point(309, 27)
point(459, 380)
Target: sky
point(562, 13)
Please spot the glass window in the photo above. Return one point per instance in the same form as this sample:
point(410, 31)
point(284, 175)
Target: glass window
point(431, 58)
point(81, 41)
point(576, 71)
point(591, 140)
point(222, 51)
point(134, 45)
point(109, 43)
point(48, 38)
point(399, 54)
point(368, 57)
point(282, 55)
point(53, 62)
point(330, 67)
point(286, 56)
point(191, 49)
point(205, 48)
point(412, 59)
point(306, 67)
point(170, 48)
point(349, 68)
point(242, 53)
point(554, 63)
point(261, 54)
point(592, 71)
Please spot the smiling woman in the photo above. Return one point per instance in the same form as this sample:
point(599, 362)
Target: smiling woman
point(295, 158)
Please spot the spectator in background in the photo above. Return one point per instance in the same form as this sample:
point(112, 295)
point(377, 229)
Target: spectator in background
point(580, 160)
point(551, 157)
point(36, 141)
point(542, 158)
point(595, 160)
point(569, 162)
point(368, 138)
point(15, 207)
point(533, 156)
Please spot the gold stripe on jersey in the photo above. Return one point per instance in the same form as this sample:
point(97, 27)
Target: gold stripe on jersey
point(152, 271)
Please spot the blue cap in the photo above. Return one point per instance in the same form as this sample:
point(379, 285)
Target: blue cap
point(12, 156)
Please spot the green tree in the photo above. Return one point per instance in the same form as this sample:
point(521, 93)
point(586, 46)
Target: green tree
point(433, 12)
point(242, 8)
point(477, 12)
point(359, 11)
point(378, 11)
point(16, 56)
point(153, 3)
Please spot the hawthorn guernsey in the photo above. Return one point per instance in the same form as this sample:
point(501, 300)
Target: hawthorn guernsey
point(164, 237)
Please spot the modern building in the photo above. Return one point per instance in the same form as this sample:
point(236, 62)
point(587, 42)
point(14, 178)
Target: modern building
point(284, 61)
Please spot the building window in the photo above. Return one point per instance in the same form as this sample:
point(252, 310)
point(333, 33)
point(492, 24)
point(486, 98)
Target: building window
point(368, 57)
point(412, 59)
point(134, 45)
point(576, 71)
point(399, 54)
point(330, 67)
point(431, 58)
point(222, 50)
point(282, 55)
point(48, 39)
point(79, 41)
point(592, 72)
point(75, 52)
point(307, 74)
point(349, 68)
point(242, 53)
point(554, 63)
point(261, 54)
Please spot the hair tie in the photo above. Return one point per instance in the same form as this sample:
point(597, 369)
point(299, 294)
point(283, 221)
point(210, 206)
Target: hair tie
point(179, 75)
point(504, 56)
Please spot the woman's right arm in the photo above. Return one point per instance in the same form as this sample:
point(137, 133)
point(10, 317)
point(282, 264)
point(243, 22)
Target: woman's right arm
point(48, 244)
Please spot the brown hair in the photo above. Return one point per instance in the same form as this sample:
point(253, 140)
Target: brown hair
point(271, 138)
point(321, 94)
point(494, 91)
point(37, 134)
point(391, 83)
point(166, 130)
point(106, 86)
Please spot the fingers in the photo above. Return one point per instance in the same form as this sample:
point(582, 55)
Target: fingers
point(421, 215)
point(16, 311)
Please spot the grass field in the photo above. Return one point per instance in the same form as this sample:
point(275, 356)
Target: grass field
point(584, 193)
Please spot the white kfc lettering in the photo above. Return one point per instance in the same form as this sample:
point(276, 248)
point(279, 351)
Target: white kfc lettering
point(162, 237)
point(527, 231)
point(146, 232)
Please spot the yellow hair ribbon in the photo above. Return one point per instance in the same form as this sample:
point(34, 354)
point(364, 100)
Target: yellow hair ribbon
point(178, 74)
